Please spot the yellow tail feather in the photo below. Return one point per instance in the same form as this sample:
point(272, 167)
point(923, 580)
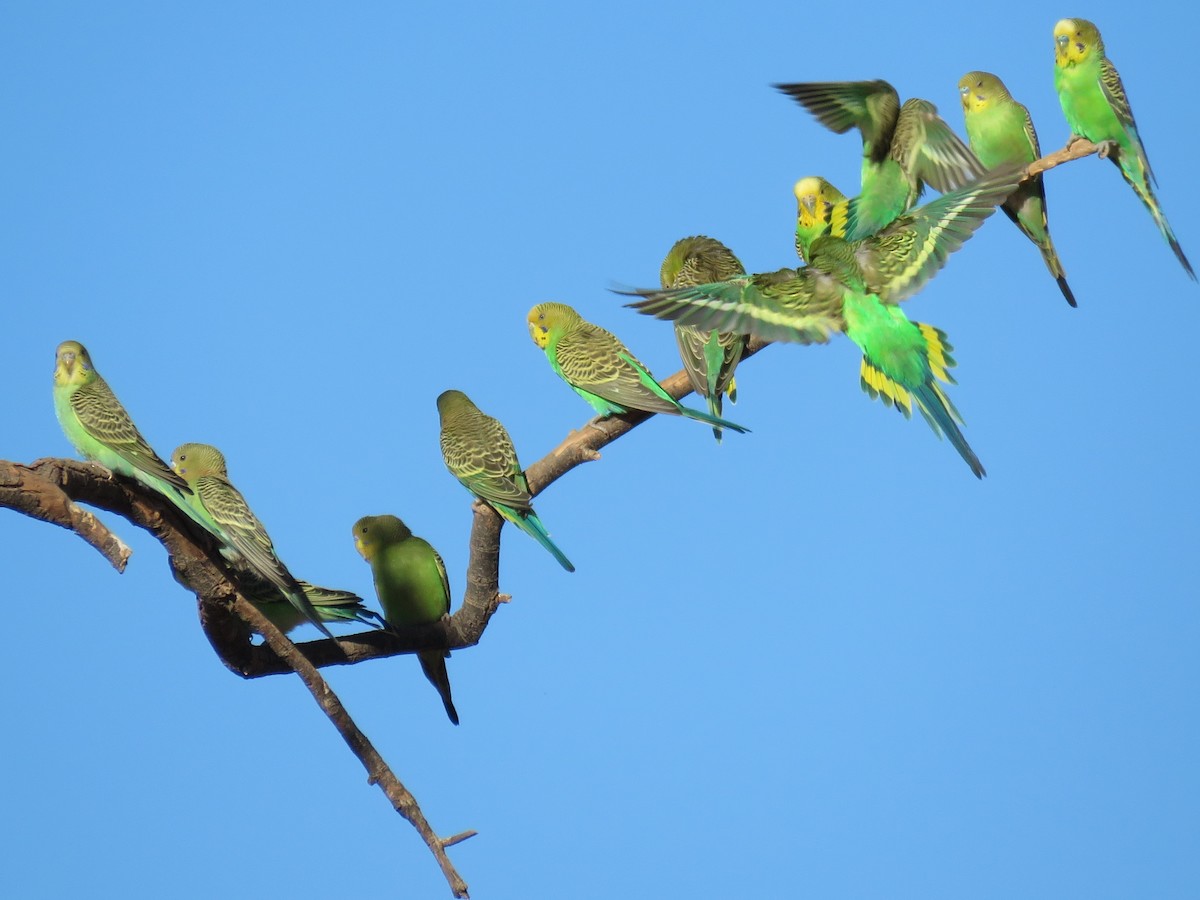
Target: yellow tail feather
point(878, 385)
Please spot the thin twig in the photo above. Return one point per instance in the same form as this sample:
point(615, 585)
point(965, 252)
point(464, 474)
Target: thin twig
point(378, 771)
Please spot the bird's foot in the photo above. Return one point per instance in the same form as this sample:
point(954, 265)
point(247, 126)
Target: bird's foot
point(1107, 147)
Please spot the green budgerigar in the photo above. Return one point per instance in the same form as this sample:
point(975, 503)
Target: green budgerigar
point(1001, 130)
point(1094, 102)
point(600, 369)
point(98, 426)
point(905, 147)
point(244, 542)
point(479, 453)
point(852, 288)
point(413, 588)
point(709, 357)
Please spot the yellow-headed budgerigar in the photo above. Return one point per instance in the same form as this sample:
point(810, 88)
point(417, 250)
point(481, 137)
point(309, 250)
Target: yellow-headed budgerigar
point(410, 579)
point(1094, 102)
point(600, 369)
point(1000, 130)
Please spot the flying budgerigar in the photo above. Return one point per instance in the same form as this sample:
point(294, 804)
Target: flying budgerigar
point(1000, 130)
point(1094, 102)
point(480, 454)
point(98, 426)
point(709, 357)
point(410, 579)
point(852, 288)
point(225, 514)
point(905, 147)
point(601, 370)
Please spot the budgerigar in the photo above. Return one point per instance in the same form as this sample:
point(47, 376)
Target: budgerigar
point(98, 426)
point(905, 147)
point(224, 512)
point(601, 370)
point(1000, 130)
point(709, 357)
point(1094, 102)
point(480, 454)
point(853, 288)
point(410, 579)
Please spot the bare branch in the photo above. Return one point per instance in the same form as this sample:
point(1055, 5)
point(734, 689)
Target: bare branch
point(378, 771)
point(23, 491)
point(1076, 148)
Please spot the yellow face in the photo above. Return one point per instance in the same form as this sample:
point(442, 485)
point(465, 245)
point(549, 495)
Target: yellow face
point(72, 365)
point(814, 200)
point(363, 538)
point(372, 532)
point(977, 90)
point(1074, 40)
point(806, 200)
point(540, 320)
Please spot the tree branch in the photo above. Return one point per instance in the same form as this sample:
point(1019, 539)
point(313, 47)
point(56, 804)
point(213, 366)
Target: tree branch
point(44, 490)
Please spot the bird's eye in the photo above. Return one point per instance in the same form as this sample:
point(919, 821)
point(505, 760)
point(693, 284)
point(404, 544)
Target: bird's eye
point(182, 458)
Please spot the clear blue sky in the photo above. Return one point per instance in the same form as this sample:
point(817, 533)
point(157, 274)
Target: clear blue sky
point(819, 660)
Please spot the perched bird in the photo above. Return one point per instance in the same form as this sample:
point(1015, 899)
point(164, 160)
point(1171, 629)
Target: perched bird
point(480, 454)
point(1000, 130)
point(410, 579)
point(601, 370)
point(225, 514)
point(98, 426)
point(1094, 102)
point(709, 357)
point(905, 147)
point(852, 288)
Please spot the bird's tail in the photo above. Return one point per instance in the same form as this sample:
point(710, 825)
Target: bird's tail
point(433, 664)
point(714, 364)
point(1136, 171)
point(332, 605)
point(1050, 257)
point(532, 526)
point(716, 421)
point(934, 405)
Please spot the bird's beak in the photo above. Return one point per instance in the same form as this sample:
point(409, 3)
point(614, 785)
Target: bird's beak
point(1061, 42)
point(67, 360)
point(810, 205)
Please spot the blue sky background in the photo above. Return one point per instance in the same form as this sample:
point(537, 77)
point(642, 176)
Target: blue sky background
point(818, 660)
